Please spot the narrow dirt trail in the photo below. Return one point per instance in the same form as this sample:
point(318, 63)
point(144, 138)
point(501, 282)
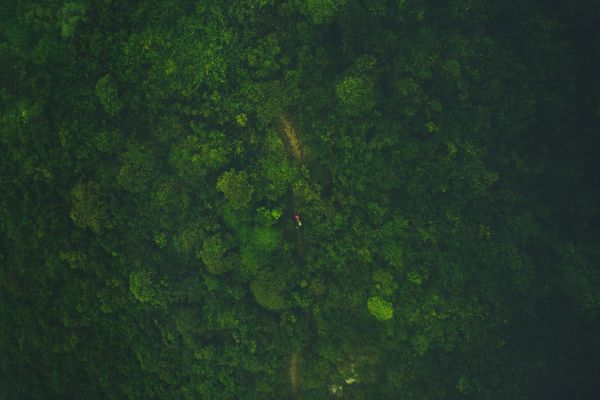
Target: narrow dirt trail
point(293, 144)
point(296, 152)
point(288, 134)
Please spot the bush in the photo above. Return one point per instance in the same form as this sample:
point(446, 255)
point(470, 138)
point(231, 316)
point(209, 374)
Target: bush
point(381, 309)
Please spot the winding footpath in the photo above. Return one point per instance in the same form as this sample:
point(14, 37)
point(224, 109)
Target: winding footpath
point(295, 150)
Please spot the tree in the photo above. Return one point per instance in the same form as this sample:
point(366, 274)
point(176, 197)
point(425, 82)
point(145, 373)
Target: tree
point(140, 284)
point(108, 93)
point(380, 309)
point(146, 289)
point(89, 210)
point(137, 169)
point(236, 188)
point(216, 255)
point(196, 156)
point(258, 245)
point(268, 289)
point(356, 94)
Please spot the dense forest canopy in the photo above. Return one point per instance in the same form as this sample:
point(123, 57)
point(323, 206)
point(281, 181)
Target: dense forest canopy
point(442, 157)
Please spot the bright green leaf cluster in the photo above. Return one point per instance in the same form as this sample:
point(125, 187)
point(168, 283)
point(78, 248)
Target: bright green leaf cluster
point(380, 309)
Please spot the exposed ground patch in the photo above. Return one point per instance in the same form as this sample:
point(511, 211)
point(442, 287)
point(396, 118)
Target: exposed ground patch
point(292, 141)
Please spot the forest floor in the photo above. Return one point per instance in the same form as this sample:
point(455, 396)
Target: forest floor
point(290, 138)
point(296, 152)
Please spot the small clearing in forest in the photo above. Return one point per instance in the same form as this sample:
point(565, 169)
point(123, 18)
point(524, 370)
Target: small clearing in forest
point(290, 138)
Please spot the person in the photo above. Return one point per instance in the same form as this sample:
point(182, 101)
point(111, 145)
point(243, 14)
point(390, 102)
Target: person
point(298, 222)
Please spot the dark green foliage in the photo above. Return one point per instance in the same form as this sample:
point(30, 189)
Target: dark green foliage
point(268, 289)
point(137, 169)
point(442, 157)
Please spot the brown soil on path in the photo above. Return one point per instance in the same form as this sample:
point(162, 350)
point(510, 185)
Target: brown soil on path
point(290, 138)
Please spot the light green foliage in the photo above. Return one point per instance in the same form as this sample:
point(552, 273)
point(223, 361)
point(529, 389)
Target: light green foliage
point(236, 188)
point(196, 156)
point(268, 217)
point(356, 94)
point(108, 93)
point(160, 239)
point(271, 99)
point(214, 254)
point(241, 119)
point(380, 309)
point(414, 277)
point(266, 239)
point(140, 285)
point(259, 243)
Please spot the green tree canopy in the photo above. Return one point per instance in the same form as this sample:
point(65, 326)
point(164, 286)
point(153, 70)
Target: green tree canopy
point(380, 309)
point(234, 185)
